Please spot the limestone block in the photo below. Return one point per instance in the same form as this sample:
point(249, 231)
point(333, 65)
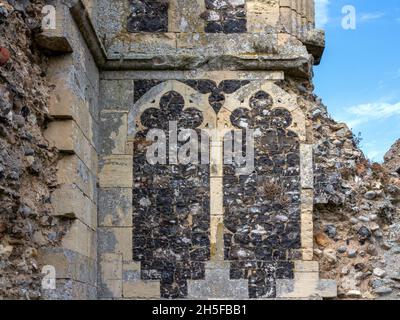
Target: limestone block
point(111, 19)
point(65, 104)
point(116, 95)
point(311, 12)
point(72, 171)
point(141, 289)
point(262, 15)
point(110, 289)
point(115, 207)
point(184, 16)
point(306, 166)
point(315, 42)
point(80, 238)
point(68, 201)
point(111, 266)
point(217, 284)
point(286, 18)
point(146, 44)
point(299, 124)
point(306, 266)
point(129, 147)
point(307, 201)
point(307, 232)
point(307, 254)
point(71, 290)
point(296, 16)
point(69, 264)
point(307, 226)
point(67, 137)
point(113, 132)
point(55, 40)
point(305, 286)
point(83, 60)
point(218, 44)
point(116, 171)
point(304, 23)
point(286, 3)
point(110, 275)
point(116, 240)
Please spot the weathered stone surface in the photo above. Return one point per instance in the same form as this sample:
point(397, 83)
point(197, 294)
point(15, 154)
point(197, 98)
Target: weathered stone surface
point(110, 275)
point(67, 137)
point(392, 158)
point(71, 290)
point(70, 202)
point(218, 284)
point(116, 95)
point(55, 40)
point(117, 240)
point(70, 265)
point(115, 171)
point(115, 207)
point(142, 289)
point(71, 170)
point(81, 239)
point(113, 132)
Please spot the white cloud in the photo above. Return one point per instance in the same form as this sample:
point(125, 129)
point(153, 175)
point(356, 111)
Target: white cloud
point(366, 17)
point(371, 111)
point(321, 13)
point(376, 110)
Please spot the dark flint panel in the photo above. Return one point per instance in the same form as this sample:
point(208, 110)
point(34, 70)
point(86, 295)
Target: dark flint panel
point(148, 16)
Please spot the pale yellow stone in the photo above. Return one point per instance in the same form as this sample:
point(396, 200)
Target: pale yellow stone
point(308, 254)
point(131, 266)
point(116, 172)
point(66, 136)
point(262, 14)
point(306, 266)
point(141, 289)
point(72, 171)
point(184, 16)
point(114, 288)
point(111, 266)
point(80, 238)
point(69, 201)
point(64, 104)
point(123, 241)
point(306, 166)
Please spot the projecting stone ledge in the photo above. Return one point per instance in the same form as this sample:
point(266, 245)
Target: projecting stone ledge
point(217, 284)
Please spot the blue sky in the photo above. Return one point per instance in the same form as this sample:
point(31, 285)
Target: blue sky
point(359, 76)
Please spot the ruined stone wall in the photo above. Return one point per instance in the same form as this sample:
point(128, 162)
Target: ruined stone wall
point(27, 161)
point(356, 207)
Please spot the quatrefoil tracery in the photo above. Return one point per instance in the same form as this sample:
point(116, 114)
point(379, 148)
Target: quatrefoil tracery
point(191, 105)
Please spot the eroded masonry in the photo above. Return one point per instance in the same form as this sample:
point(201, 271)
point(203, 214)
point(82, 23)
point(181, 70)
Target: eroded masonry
point(141, 230)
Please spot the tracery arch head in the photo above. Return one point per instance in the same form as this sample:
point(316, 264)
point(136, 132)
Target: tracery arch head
point(176, 97)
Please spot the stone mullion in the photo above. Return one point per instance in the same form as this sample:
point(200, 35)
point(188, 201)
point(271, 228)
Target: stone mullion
point(216, 196)
point(307, 197)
